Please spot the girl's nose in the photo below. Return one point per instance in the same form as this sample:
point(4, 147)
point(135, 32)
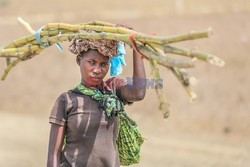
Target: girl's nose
point(97, 70)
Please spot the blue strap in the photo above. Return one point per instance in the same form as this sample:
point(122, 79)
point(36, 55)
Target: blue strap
point(118, 61)
point(38, 40)
point(59, 47)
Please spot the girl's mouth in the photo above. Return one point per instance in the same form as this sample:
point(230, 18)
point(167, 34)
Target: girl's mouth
point(95, 79)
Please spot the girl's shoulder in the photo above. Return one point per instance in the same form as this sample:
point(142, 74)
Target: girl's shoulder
point(70, 96)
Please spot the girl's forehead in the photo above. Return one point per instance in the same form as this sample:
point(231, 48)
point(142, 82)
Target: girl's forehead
point(95, 55)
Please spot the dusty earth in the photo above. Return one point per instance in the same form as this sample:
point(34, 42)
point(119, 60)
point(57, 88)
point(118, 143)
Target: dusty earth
point(214, 132)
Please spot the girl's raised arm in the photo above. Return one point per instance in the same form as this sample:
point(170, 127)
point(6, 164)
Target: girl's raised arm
point(136, 90)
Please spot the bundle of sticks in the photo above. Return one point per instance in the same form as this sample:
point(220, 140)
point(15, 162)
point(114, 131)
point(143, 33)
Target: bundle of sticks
point(154, 48)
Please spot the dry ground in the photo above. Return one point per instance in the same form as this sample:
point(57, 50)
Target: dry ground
point(214, 132)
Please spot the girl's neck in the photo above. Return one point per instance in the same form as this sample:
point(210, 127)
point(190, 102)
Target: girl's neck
point(98, 86)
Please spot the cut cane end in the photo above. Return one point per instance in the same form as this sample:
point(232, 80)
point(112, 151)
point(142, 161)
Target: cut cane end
point(193, 81)
point(210, 32)
point(166, 115)
point(20, 20)
point(193, 97)
point(3, 77)
point(164, 109)
point(183, 70)
point(194, 59)
point(217, 61)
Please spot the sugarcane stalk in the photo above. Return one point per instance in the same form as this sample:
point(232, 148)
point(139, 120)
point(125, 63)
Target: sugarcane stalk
point(161, 60)
point(214, 60)
point(10, 56)
point(109, 28)
point(185, 79)
point(15, 62)
point(99, 23)
point(189, 36)
point(26, 25)
point(20, 50)
point(153, 47)
point(28, 39)
point(172, 39)
point(140, 37)
point(24, 56)
point(10, 66)
point(159, 89)
point(180, 75)
point(185, 83)
point(121, 37)
point(164, 60)
point(97, 28)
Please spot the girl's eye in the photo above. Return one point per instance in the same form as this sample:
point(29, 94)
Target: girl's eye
point(91, 62)
point(104, 64)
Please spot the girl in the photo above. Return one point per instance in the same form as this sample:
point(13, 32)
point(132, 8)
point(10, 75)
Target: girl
point(89, 131)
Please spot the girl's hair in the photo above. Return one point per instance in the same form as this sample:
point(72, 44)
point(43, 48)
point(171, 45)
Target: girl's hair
point(82, 53)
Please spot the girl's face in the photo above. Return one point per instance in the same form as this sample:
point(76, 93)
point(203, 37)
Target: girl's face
point(94, 67)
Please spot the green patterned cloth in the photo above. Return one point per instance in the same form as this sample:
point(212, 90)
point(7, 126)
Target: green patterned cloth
point(129, 139)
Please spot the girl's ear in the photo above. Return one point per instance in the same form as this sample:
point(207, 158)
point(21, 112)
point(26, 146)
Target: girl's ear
point(78, 59)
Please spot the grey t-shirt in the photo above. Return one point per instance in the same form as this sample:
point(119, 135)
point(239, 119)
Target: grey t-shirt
point(90, 135)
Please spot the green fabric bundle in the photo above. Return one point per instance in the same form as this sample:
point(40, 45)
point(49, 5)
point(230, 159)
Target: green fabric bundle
point(129, 138)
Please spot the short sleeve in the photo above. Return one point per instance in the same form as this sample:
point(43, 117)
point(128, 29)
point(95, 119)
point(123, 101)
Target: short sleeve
point(58, 112)
point(117, 85)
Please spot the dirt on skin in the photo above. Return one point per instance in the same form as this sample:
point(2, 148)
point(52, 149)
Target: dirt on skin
point(213, 132)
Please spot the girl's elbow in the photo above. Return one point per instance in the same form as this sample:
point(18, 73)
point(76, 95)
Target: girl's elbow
point(140, 95)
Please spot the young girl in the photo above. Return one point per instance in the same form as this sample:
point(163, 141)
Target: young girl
point(77, 117)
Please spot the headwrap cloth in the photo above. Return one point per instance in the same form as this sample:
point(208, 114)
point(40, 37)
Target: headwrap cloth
point(115, 50)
